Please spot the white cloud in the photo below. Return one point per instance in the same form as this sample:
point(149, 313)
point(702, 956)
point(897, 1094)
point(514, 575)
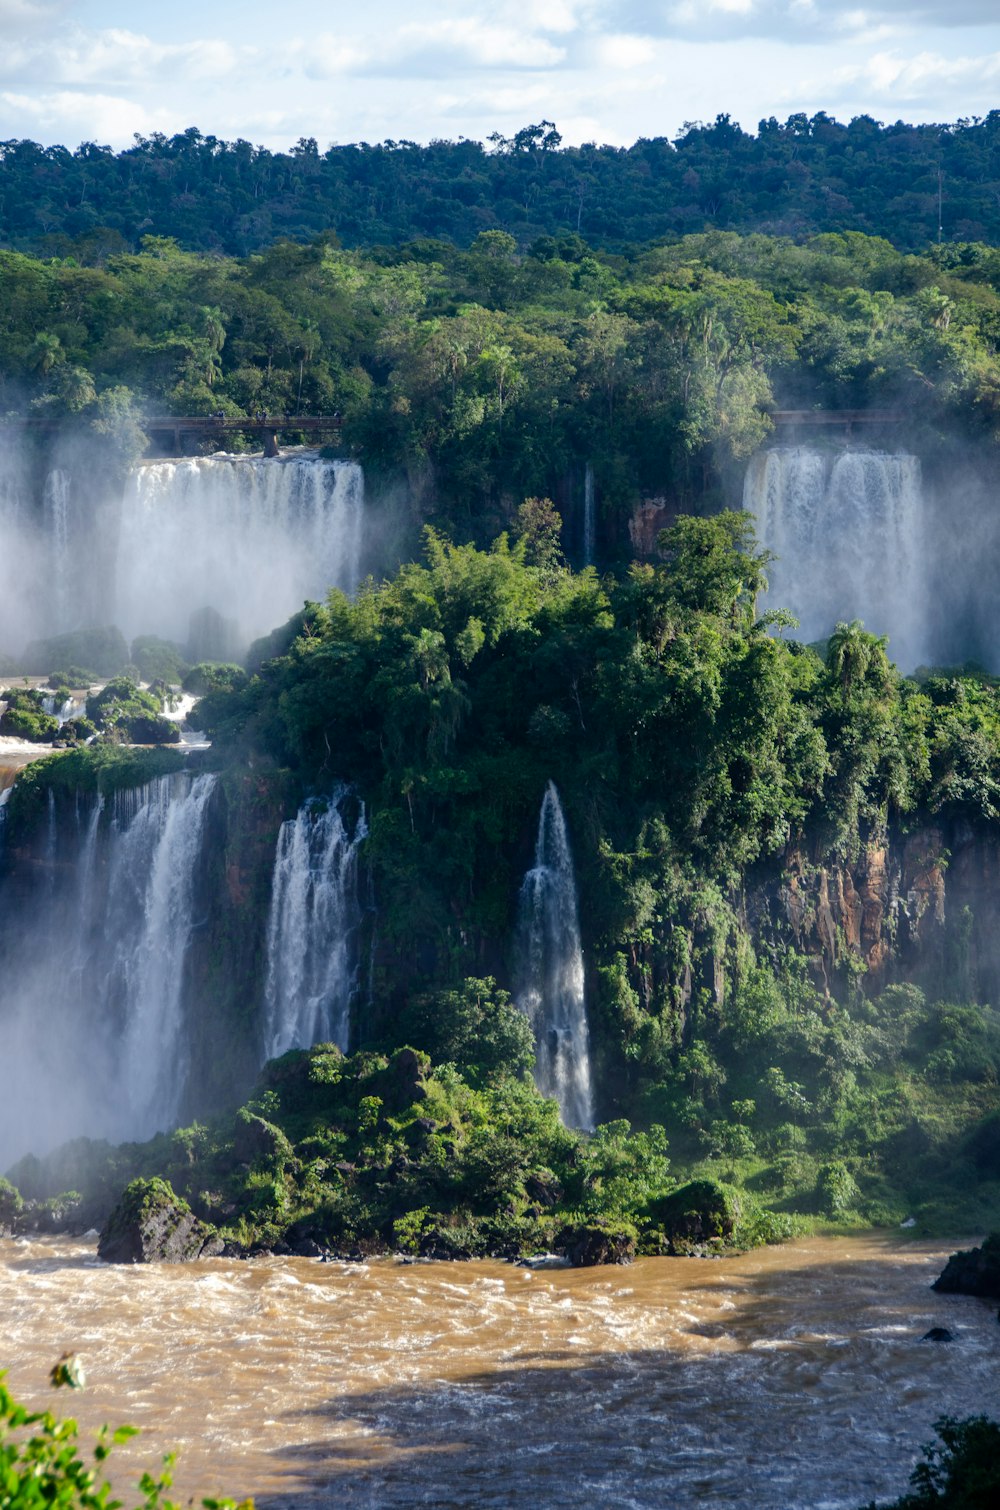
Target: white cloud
point(624, 51)
point(914, 79)
point(71, 117)
point(115, 58)
point(441, 46)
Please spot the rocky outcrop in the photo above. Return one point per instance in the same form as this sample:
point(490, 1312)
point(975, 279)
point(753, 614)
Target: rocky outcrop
point(151, 1224)
point(645, 523)
point(587, 1244)
point(974, 1271)
point(700, 1212)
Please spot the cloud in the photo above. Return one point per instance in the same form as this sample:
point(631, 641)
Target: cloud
point(790, 20)
point(72, 116)
point(116, 58)
point(917, 79)
point(438, 47)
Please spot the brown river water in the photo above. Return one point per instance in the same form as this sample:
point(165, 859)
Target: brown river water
point(783, 1378)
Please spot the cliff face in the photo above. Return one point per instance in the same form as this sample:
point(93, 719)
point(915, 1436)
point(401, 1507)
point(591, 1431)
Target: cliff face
point(922, 907)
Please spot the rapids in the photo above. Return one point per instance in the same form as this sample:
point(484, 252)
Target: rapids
point(789, 1378)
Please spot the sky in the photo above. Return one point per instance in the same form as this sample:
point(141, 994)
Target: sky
point(602, 70)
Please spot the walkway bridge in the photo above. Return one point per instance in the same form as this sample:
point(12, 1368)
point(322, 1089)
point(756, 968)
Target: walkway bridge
point(175, 434)
point(845, 419)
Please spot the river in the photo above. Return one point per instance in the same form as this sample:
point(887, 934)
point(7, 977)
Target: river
point(787, 1377)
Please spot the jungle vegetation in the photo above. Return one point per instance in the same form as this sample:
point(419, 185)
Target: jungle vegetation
point(794, 177)
point(474, 378)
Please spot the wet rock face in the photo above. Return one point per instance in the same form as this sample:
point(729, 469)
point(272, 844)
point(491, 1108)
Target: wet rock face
point(974, 1271)
point(151, 1224)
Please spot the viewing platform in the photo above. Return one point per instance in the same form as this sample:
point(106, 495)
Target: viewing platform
point(175, 432)
point(845, 419)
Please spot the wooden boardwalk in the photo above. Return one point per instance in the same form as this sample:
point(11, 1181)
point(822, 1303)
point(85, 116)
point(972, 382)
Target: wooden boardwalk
point(174, 432)
point(845, 419)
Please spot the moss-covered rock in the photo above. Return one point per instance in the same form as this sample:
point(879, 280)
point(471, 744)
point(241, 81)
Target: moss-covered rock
point(151, 1224)
point(258, 1142)
point(587, 1244)
point(700, 1212)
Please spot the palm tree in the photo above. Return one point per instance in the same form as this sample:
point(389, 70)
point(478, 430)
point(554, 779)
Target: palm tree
point(853, 653)
point(44, 353)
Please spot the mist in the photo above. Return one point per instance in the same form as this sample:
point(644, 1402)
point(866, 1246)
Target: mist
point(247, 538)
point(910, 548)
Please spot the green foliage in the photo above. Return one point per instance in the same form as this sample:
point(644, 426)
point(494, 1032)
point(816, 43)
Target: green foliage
point(25, 717)
point(961, 1471)
point(42, 1466)
point(158, 660)
point(836, 1191)
point(124, 710)
point(475, 1026)
point(213, 676)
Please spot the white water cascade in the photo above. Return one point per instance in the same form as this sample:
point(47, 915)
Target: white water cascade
point(847, 530)
point(313, 927)
point(550, 960)
point(589, 516)
point(93, 1016)
point(251, 538)
point(57, 524)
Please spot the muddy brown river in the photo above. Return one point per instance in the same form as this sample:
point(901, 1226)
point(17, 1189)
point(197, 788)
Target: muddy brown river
point(788, 1377)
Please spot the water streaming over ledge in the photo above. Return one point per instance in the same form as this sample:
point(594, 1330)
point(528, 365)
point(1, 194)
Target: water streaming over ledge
point(250, 537)
point(93, 1016)
point(550, 968)
point(847, 529)
point(589, 516)
point(313, 927)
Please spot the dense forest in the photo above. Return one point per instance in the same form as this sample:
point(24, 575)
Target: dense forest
point(797, 178)
point(722, 780)
point(484, 376)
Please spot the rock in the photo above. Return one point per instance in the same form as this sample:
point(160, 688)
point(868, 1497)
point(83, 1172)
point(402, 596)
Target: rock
point(543, 1187)
point(590, 1243)
point(697, 1213)
point(402, 1082)
point(938, 1334)
point(151, 1224)
point(974, 1271)
point(260, 1142)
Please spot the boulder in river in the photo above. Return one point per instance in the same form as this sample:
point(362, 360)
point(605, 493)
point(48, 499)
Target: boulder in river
point(150, 1224)
point(974, 1271)
point(587, 1244)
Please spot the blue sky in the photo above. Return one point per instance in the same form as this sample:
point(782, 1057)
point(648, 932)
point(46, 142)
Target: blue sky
point(75, 70)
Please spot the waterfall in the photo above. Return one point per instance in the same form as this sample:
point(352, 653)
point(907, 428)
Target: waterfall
point(313, 927)
point(550, 965)
point(249, 537)
point(589, 517)
point(847, 530)
point(56, 522)
point(22, 573)
point(94, 1012)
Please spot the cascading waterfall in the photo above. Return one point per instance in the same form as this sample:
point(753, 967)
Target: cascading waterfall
point(550, 967)
point(589, 516)
point(94, 1016)
point(313, 927)
point(251, 538)
point(56, 522)
point(22, 573)
point(847, 530)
